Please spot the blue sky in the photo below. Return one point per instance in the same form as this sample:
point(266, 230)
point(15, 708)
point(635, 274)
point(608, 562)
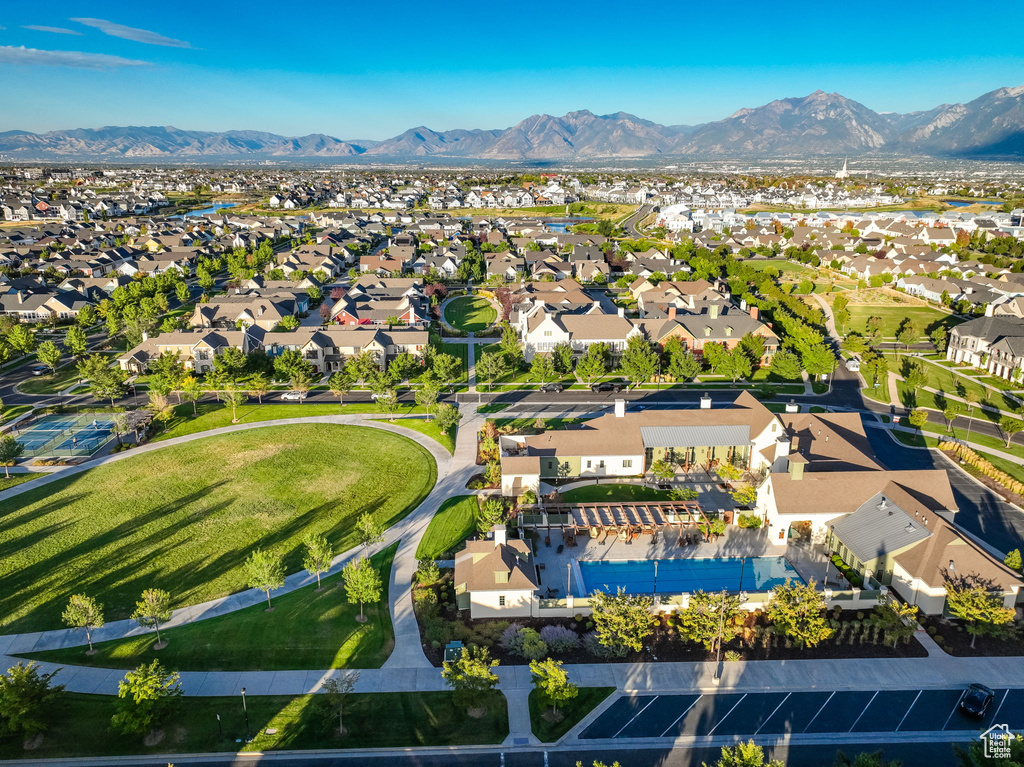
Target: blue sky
point(367, 70)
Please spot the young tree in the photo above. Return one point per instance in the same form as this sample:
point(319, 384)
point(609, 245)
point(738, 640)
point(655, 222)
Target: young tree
point(951, 413)
point(747, 754)
point(1009, 427)
point(318, 557)
point(983, 611)
point(191, 390)
point(908, 332)
point(684, 365)
point(49, 354)
point(895, 619)
point(447, 368)
point(27, 699)
point(448, 416)
point(10, 451)
point(622, 621)
point(302, 381)
point(86, 316)
point(797, 611)
point(259, 386)
point(146, 696)
point(562, 356)
point(492, 512)
point(639, 361)
point(918, 418)
point(232, 396)
point(939, 338)
point(819, 360)
point(21, 339)
point(490, 366)
point(711, 618)
point(265, 572)
point(362, 584)
point(335, 691)
point(542, 368)
point(427, 395)
point(594, 362)
point(84, 613)
point(153, 609)
point(76, 341)
point(368, 531)
point(471, 677)
point(552, 682)
point(663, 470)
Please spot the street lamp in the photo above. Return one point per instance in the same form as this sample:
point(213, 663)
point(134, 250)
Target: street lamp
point(245, 710)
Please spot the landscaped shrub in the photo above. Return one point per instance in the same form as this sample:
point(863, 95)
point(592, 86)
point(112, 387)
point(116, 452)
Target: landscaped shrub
point(559, 638)
point(534, 648)
point(437, 630)
point(512, 639)
point(426, 600)
point(751, 521)
point(593, 646)
point(732, 656)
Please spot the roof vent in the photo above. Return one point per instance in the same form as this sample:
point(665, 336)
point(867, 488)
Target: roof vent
point(705, 402)
point(952, 565)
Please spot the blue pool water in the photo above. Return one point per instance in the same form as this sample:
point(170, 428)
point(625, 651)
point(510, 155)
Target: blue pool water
point(675, 576)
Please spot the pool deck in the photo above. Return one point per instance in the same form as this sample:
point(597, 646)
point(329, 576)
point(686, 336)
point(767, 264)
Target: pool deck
point(808, 560)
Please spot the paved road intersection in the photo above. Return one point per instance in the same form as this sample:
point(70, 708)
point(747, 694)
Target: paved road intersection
point(813, 712)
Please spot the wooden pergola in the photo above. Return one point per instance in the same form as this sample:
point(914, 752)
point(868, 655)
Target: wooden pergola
point(626, 520)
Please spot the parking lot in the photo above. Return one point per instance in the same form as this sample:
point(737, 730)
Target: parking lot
point(815, 712)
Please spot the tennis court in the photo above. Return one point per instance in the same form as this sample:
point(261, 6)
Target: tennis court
point(61, 435)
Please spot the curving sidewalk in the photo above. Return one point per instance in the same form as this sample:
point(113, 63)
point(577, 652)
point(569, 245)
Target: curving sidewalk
point(408, 652)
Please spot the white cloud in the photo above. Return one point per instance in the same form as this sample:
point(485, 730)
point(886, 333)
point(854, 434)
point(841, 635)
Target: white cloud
point(131, 33)
point(55, 30)
point(10, 54)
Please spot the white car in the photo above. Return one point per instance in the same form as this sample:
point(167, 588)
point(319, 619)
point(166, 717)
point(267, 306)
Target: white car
point(293, 396)
point(853, 365)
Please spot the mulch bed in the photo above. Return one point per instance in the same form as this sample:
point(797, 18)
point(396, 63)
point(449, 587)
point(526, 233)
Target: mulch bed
point(988, 482)
point(955, 640)
point(666, 645)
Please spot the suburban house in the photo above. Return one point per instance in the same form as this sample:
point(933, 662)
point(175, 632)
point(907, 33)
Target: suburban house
point(196, 349)
point(328, 349)
point(994, 343)
point(233, 311)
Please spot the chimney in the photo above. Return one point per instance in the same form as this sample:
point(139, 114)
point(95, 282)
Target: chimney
point(690, 299)
point(145, 336)
point(713, 311)
point(755, 313)
point(620, 408)
point(705, 402)
point(499, 536)
point(796, 470)
point(21, 298)
point(792, 407)
point(671, 312)
point(622, 311)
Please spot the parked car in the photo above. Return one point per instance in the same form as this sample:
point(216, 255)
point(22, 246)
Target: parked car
point(39, 370)
point(976, 700)
point(606, 386)
point(853, 365)
point(293, 396)
point(552, 387)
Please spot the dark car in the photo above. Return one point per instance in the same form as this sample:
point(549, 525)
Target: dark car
point(976, 700)
point(605, 386)
point(552, 387)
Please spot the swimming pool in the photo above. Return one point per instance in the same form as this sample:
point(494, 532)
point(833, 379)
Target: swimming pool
point(675, 576)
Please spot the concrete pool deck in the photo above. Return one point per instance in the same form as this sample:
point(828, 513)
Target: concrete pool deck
point(807, 559)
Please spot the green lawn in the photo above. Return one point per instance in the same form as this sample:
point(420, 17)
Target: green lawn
point(470, 314)
point(186, 517)
point(80, 725)
point(213, 415)
point(572, 712)
point(947, 380)
point(453, 523)
point(305, 630)
point(426, 428)
point(461, 351)
point(891, 316)
point(614, 493)
point(783, 267)
point(51, 384)
point(10, 413)
point(17, 479)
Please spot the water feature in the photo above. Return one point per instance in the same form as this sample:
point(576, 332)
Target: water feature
point(212, 209)
point(685, 574)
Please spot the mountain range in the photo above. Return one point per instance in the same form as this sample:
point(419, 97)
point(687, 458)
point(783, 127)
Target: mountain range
point(821, 124)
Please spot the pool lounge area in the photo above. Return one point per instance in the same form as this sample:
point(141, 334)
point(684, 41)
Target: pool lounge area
point(682, 575)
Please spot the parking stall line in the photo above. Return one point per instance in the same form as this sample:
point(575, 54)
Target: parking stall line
point(907, 712)
point(680, 716)
point(955, 707)
point(712, 730)
point(819, 710)
point(635, 716)
point(768, 718)
point(864, 710)
point(1000, 707)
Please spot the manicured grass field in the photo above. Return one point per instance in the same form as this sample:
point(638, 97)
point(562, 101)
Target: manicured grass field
point(213, 415)
point(10, 413)
point(573, 712)
point(452, 524)
point(17, 479)
point(891, 316)
point(427, 428)
point(186, 517)
point(614, 493)
point(470, 314)
point(81, 726)
point(51, 384)
point(783, 267)
point(305, 630)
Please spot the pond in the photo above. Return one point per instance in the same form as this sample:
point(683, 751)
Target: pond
point(561, 225)
point(212, 209)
